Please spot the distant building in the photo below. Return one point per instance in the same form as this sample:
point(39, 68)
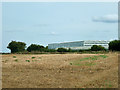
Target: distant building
point(78, 44)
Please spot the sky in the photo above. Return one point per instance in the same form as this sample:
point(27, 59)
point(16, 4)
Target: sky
point(53, 22)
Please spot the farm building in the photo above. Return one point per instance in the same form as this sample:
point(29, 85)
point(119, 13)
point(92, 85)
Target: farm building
point(79, 44)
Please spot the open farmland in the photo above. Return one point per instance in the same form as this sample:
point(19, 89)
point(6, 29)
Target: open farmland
point(60, 70)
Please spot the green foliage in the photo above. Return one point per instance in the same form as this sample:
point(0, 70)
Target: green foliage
point(108, 84)
point(35, 47)
point(46, 47)
point(49, 50)
point(16, 60)
point(78, 62)
point(71, 63)
point(34, 60)
point(89, 64)
point(103, 56)
point(16, 46)
point(82, 89)
point(69, 50)
point(27, 60)
point(97, 48)
point(19, 47)
point(62, 50)
point(86, 64)
point(114, 45)
point(33, 57)
point(14, 56)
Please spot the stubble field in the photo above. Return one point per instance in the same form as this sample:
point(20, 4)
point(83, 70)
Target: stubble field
point(60, 70)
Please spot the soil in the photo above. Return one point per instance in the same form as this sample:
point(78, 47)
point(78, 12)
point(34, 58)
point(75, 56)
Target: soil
point(56, 71)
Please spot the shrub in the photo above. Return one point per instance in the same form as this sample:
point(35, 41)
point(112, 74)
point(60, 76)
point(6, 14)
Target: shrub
point(114, 45)
point(16, 46)
point(35, 47)
point(14, 56)
point(27, 60)
point(97, 48)
point(33, 57)
point(62, 50)
point(16, 60)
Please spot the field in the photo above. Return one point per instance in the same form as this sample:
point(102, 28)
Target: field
point(60, 70)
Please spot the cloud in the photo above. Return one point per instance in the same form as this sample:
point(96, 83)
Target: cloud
point(48, 34)
point(113, 18)
point(53, 33)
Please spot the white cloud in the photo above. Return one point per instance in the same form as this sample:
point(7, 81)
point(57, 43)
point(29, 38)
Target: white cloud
point(113, 18)
point(53, 33)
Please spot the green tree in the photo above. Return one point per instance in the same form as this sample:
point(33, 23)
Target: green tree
point(46, 47)
point(35, 47)
point(62, 50)
point(114, 45)
point(16, 46)
point(69, 50)
point(97, 48)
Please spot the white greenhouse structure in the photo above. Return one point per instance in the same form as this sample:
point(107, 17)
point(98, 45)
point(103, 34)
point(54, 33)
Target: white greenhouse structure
point(79, 44)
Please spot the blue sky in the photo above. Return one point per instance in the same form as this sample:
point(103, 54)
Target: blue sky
point(50, 22)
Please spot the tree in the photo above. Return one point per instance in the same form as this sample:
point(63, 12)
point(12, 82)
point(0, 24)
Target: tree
point(114, 45)
point(97, 48)
point(16, 46)
point(62, 50)
point(35, 47)
point(69, 50)
point(46, 47)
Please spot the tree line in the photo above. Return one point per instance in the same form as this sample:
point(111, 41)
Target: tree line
point(15, 46)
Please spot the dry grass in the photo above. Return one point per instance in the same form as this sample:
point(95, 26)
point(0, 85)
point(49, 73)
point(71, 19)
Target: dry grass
point(55, 71)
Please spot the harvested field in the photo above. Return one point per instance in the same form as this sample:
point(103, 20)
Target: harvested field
point(60, 70)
